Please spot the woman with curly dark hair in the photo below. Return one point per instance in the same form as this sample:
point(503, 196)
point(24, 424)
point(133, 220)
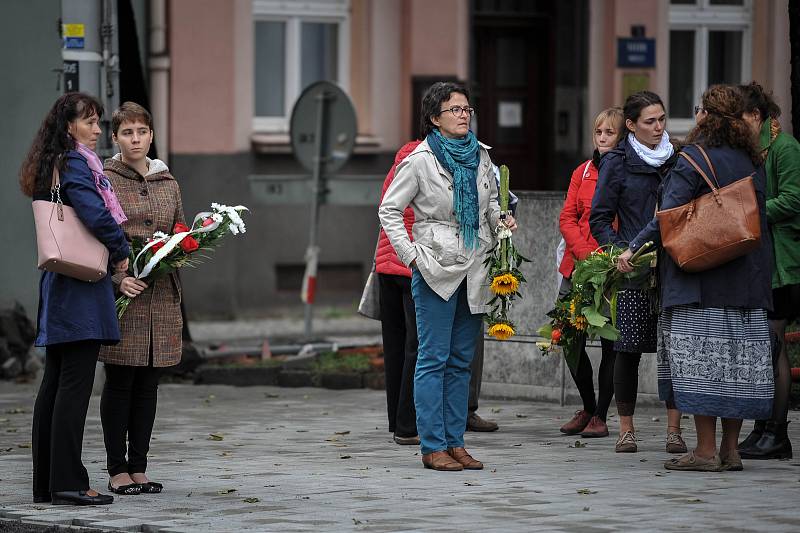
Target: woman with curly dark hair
point(714, 346)
point(769, 439)
point(75, 317)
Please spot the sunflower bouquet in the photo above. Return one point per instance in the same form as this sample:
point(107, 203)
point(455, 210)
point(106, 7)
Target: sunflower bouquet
point(590, 309)
point(504, 261)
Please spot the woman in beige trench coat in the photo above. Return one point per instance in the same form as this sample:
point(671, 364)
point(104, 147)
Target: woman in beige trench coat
point(151, 326)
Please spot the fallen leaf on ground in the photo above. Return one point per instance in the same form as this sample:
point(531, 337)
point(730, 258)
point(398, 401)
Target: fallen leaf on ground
point(226, 491)
point(587, 508)
point(471, 484)
point(545, 443)
point(342, 432)
point(271, 395)
point(495, 409)
point(15, 411)
point(224, 454)
point(345, 457)
point(655, 419)
point(215, 436)
point(24, 445)
point(586, 491)
point(4, 420)
point(11, 430)
point(578, 444)
point(520, 415)
point(520, 444)
point(693, 500)
point(251, 500)
point(357, 522)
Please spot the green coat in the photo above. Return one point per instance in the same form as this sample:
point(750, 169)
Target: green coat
point(783, 203)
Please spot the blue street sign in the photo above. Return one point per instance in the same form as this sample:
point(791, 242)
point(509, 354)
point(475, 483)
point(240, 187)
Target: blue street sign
point(73, 42)
point(636, 53)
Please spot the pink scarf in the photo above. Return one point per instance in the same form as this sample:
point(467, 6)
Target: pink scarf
point(102, 183)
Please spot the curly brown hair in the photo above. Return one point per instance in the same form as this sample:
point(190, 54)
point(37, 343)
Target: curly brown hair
point(53, 140)
point(724, 125)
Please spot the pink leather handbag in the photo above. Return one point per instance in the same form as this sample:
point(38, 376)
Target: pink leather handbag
point(64, 244)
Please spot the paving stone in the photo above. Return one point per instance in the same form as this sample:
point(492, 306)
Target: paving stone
point(323, 460)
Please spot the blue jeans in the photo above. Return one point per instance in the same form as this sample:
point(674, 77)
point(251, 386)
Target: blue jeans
point(447, 334)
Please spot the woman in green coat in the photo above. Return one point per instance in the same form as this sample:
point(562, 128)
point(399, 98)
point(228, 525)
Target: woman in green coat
point(768, 439)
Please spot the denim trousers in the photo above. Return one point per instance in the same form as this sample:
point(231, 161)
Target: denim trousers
point(447, 334)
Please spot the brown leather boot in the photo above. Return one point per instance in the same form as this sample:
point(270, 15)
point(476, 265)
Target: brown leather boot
point(465, 459)
point(441, 461)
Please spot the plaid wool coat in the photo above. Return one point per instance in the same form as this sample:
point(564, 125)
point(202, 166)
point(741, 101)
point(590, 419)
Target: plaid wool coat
point(151, 203)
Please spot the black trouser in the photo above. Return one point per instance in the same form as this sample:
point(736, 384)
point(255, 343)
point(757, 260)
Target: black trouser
point(477, 375)
point(399, 329)
point(128, 409)
point(583, 377)
point(59, 417)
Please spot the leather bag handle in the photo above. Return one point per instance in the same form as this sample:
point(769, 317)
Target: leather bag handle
point(708, 162)
point(703, 174)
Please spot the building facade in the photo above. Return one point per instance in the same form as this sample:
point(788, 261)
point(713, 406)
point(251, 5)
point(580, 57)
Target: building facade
point(222, 76)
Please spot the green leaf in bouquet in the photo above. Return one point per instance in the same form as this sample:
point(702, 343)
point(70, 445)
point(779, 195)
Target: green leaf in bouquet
point(607, 331)
point(614, 309)
point(593, 317)
point(545, 331)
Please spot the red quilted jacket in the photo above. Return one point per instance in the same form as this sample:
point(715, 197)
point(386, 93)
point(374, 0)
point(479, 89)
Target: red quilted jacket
point(386, 260)
point(574, 218)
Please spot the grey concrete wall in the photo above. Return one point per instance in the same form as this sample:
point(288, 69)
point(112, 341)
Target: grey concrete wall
point(516, 368)
point(31, 49)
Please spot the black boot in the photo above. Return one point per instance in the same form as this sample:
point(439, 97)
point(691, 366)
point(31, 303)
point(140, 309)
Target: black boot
point(774, 443)
point(750, 441)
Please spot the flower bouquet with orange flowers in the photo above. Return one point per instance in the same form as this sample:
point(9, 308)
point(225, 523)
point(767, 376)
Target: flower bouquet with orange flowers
point(590, 309)
point(163, 254)
point(504, 261)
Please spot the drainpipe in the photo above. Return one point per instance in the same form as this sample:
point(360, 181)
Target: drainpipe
point(158, 64)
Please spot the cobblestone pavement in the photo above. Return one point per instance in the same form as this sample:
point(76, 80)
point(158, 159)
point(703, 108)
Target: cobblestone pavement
point(271, 459)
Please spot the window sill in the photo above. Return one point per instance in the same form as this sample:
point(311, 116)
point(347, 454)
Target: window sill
point(280, 143)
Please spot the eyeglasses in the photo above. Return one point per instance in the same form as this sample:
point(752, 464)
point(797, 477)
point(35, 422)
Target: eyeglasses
point(698, 108)
point(458, 111)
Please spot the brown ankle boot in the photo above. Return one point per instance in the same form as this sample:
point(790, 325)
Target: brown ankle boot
point(465, 459)
point(441, 461)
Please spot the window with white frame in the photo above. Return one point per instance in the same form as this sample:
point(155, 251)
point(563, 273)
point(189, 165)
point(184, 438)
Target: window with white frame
point(297, 43)
point(709, 43)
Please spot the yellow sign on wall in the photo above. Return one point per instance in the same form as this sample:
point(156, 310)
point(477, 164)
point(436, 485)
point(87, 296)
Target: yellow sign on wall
point(74, 30)
point(633, 83)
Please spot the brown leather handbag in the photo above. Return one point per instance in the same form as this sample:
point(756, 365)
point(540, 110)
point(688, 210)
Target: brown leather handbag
point(714, 228)
point(64, 244)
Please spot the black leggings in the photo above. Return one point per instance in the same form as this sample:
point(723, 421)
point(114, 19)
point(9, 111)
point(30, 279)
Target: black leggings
point(626, 383)
point(605, 380)
point(128, 409)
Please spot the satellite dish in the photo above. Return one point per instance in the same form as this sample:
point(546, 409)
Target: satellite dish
point(338, 126)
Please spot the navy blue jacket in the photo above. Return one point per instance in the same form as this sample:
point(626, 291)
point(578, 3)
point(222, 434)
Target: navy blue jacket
point(745, 281)
point(73, 310)
point(627, 189)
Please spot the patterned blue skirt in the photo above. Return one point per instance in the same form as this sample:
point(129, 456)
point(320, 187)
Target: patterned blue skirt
point(716, 361)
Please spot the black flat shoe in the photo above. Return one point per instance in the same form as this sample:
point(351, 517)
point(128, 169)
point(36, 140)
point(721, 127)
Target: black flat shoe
point(41, 498)
point(151, 487)
point(79, 497)
point(132, 488)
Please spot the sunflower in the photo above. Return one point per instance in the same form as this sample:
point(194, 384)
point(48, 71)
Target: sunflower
point(505, 284)
point(501, 331)
point(580, 323)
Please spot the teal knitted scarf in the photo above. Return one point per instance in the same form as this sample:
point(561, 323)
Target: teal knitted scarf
point(461, 157)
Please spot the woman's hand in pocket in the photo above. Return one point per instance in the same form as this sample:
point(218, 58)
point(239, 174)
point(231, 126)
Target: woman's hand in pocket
point(132, 287)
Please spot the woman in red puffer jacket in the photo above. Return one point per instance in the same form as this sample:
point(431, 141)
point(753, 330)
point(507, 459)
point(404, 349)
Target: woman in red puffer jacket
point(574, 224)
point(398, 325)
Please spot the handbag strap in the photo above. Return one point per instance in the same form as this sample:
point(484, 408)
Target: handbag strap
point(55, 192)
point(702, 173)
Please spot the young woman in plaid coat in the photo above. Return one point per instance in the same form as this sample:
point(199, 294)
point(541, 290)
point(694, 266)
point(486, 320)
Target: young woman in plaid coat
point(151, 326)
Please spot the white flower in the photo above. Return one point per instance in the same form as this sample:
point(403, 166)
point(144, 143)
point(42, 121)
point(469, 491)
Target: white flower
point(216, 217)
point(159, 235)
